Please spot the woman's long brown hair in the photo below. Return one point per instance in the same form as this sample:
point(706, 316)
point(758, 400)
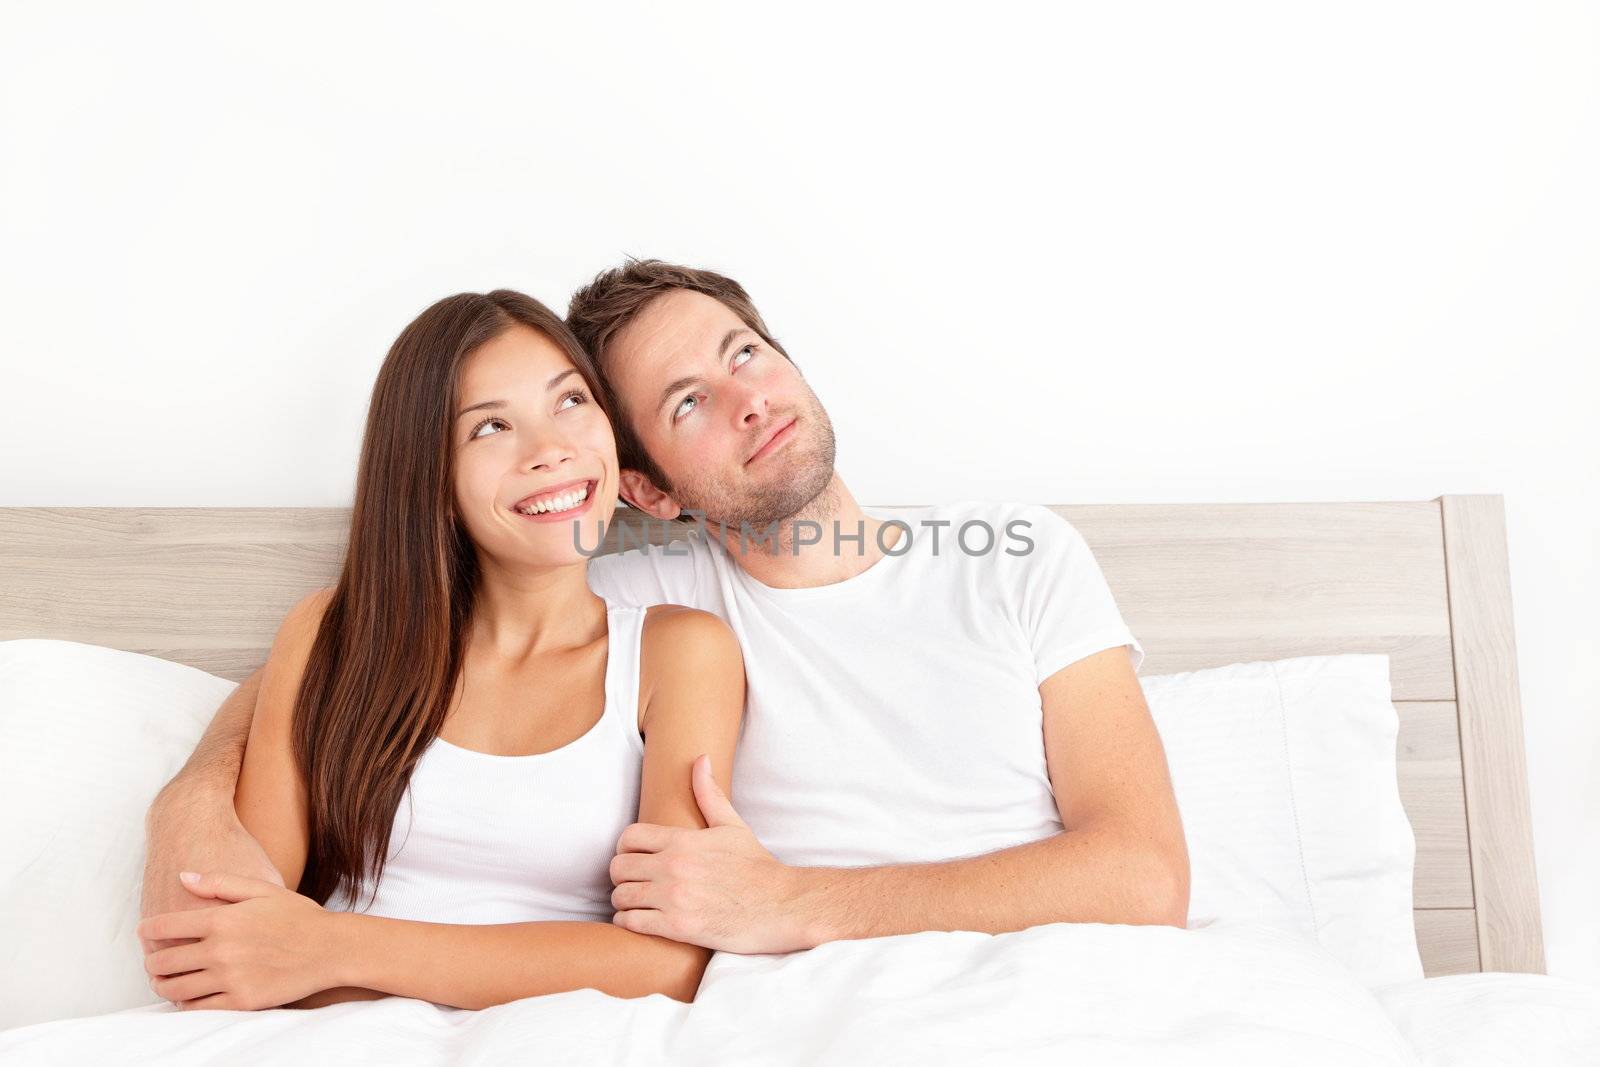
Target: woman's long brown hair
point(385, 661)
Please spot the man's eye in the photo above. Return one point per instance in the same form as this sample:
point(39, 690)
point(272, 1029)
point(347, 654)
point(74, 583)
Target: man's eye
point(486, 422)
point(680, 411)
point(748, 352)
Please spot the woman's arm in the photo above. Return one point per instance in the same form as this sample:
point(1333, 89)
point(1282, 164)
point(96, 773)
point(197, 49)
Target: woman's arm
point(271, 794)
point(692, 693)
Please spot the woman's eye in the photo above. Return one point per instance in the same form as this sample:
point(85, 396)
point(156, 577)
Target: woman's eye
point(477, 430)
point(748, 352)
point(574, 395)
point(680, 411)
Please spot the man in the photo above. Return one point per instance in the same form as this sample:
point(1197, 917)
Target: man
point(944, 727)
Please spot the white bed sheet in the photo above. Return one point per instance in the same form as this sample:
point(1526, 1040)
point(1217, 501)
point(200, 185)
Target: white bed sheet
point(1479, 1020)
point(1227, 993)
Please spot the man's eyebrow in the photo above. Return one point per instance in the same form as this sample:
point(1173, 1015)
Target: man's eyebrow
point(551, 384)
point(673, 387)
point(727, 339)
point(722, 354)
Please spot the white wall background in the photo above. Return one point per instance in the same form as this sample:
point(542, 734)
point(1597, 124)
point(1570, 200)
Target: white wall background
point(1131, 252)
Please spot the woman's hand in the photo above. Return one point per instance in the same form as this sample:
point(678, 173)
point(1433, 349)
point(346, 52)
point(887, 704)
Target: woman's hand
point(187, 834)
point(265, 946)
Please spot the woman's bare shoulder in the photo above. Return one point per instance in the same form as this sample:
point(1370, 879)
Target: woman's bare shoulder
point(684, 650)
point(291, 649)
point(308, 611)
point(675, 632)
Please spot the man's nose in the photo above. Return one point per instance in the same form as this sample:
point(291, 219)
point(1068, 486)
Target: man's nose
point(751, 406)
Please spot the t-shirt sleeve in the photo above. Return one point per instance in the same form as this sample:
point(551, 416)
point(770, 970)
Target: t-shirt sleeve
point(644, 577)
point(1064, 606)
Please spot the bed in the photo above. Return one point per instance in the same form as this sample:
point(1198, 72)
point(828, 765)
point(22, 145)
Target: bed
point(1424, 583)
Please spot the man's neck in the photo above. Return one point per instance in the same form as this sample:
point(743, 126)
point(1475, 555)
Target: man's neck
point(829, 540)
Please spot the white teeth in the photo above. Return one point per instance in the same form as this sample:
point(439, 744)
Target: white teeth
point(566, 501)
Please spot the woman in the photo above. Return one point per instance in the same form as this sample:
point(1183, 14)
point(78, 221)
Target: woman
point(447, 743)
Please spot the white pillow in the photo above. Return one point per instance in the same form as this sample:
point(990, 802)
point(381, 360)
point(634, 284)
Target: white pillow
point(1285, 777)
point(88, 735)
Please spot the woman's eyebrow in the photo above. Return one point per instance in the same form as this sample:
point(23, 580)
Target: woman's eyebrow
point(551, 384)
point(483, 404)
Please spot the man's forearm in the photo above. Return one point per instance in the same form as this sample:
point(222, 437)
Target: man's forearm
point(192, 826)
point(1083, 875)
point(478, 966)
point(212, 771)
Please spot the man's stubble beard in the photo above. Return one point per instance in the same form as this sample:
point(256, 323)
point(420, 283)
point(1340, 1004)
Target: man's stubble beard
point(803, 490)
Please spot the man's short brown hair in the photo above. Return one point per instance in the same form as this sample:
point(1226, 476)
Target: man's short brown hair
point(601, 309)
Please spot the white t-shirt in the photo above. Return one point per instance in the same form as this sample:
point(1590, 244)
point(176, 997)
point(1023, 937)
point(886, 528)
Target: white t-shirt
point(894, 717)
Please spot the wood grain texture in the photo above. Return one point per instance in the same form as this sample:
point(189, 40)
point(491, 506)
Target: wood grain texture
point(1493, 761)
point(1447, 939)
point(203, 586)
point(1201, 585)
point(1429, 760)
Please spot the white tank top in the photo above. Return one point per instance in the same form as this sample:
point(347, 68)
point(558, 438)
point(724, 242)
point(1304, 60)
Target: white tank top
point(481, 838)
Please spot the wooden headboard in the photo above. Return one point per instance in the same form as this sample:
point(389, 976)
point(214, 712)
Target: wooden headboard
point(1203, 585)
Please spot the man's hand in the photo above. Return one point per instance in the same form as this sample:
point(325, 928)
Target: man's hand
point(194, 835)
point(264, 947)
point(717, 887)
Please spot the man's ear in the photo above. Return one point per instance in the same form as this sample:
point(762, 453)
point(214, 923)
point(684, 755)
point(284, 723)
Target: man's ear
point(639, 491)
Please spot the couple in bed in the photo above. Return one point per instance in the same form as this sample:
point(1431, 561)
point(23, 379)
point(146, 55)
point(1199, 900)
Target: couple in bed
point(488, 766)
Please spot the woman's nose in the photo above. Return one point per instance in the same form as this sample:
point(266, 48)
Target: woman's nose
point(548, 452)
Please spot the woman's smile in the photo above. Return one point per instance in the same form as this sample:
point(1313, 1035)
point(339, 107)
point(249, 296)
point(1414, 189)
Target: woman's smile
point(570, 502)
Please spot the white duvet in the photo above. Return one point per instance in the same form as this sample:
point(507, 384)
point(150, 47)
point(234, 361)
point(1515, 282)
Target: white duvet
point(1479, 1020)
point(1227, 993)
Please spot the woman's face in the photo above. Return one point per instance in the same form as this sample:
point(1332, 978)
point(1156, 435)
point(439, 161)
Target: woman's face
point(535, 459)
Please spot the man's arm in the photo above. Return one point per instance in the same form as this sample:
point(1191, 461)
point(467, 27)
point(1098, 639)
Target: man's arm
point(191, 825)
point(213, 767)
point(1120, 859)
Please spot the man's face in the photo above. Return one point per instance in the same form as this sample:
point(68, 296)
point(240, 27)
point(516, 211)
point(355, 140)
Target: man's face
point(727, 418)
